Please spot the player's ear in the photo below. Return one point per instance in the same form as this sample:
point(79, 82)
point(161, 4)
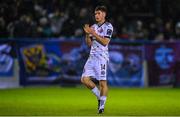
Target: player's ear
point(104, 14)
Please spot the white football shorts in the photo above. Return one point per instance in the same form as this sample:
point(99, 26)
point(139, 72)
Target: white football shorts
point(95, 68)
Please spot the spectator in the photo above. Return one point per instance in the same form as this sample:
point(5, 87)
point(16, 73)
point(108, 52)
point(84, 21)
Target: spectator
point(24, 27)
point(132, 19)
point(44, 29)
point(57, 20)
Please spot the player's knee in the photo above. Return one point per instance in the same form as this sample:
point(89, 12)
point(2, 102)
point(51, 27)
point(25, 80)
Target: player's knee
point(82, 80)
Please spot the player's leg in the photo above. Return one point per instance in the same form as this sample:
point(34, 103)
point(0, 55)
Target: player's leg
point(86, 79)
point(91, 85)
point(88, 82)
point(102, 71)
point(103, 87)
point(103, 94)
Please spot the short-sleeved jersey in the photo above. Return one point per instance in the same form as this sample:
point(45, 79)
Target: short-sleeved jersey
point(97, 49)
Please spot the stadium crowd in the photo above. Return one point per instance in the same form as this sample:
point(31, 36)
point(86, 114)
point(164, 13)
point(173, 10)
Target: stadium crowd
point(132, 19)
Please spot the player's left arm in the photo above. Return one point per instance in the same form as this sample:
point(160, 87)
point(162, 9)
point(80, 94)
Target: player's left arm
point(103, 40)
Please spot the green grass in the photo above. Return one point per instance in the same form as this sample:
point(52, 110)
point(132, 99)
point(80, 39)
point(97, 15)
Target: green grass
point(80, 101)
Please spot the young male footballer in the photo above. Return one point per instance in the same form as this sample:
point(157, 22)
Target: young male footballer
point(98, 37)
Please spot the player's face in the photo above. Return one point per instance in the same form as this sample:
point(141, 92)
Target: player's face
point(99, 16)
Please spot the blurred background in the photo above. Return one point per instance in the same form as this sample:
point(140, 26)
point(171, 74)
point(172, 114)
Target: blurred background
point(42, 42)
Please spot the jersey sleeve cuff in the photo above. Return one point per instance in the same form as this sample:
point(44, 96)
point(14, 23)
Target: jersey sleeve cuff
point(107, 37)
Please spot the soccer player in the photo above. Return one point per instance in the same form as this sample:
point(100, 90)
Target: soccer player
point(98, 37)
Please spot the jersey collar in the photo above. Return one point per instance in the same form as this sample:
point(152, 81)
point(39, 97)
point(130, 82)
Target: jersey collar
point(99, 25)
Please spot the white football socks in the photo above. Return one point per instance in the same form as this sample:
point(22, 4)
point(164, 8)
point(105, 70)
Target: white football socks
point(96, 92)
point(102, 102)
point(102, 99)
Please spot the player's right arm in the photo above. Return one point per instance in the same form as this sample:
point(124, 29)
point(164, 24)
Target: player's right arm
point(88, 40)
point(87, 31)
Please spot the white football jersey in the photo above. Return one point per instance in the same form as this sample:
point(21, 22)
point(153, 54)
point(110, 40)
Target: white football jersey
point(97, 49)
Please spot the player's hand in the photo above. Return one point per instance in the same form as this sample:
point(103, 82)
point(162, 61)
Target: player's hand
point(92, 31)
point(87, 28)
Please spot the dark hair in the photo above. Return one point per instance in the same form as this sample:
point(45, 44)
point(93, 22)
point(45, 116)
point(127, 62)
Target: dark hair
point(101, 8)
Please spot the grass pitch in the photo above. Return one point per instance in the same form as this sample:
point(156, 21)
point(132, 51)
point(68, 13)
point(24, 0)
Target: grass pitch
point(48, 101)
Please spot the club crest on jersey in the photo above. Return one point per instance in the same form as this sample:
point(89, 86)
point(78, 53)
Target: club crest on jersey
point(100, 30)
point(103, 72)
